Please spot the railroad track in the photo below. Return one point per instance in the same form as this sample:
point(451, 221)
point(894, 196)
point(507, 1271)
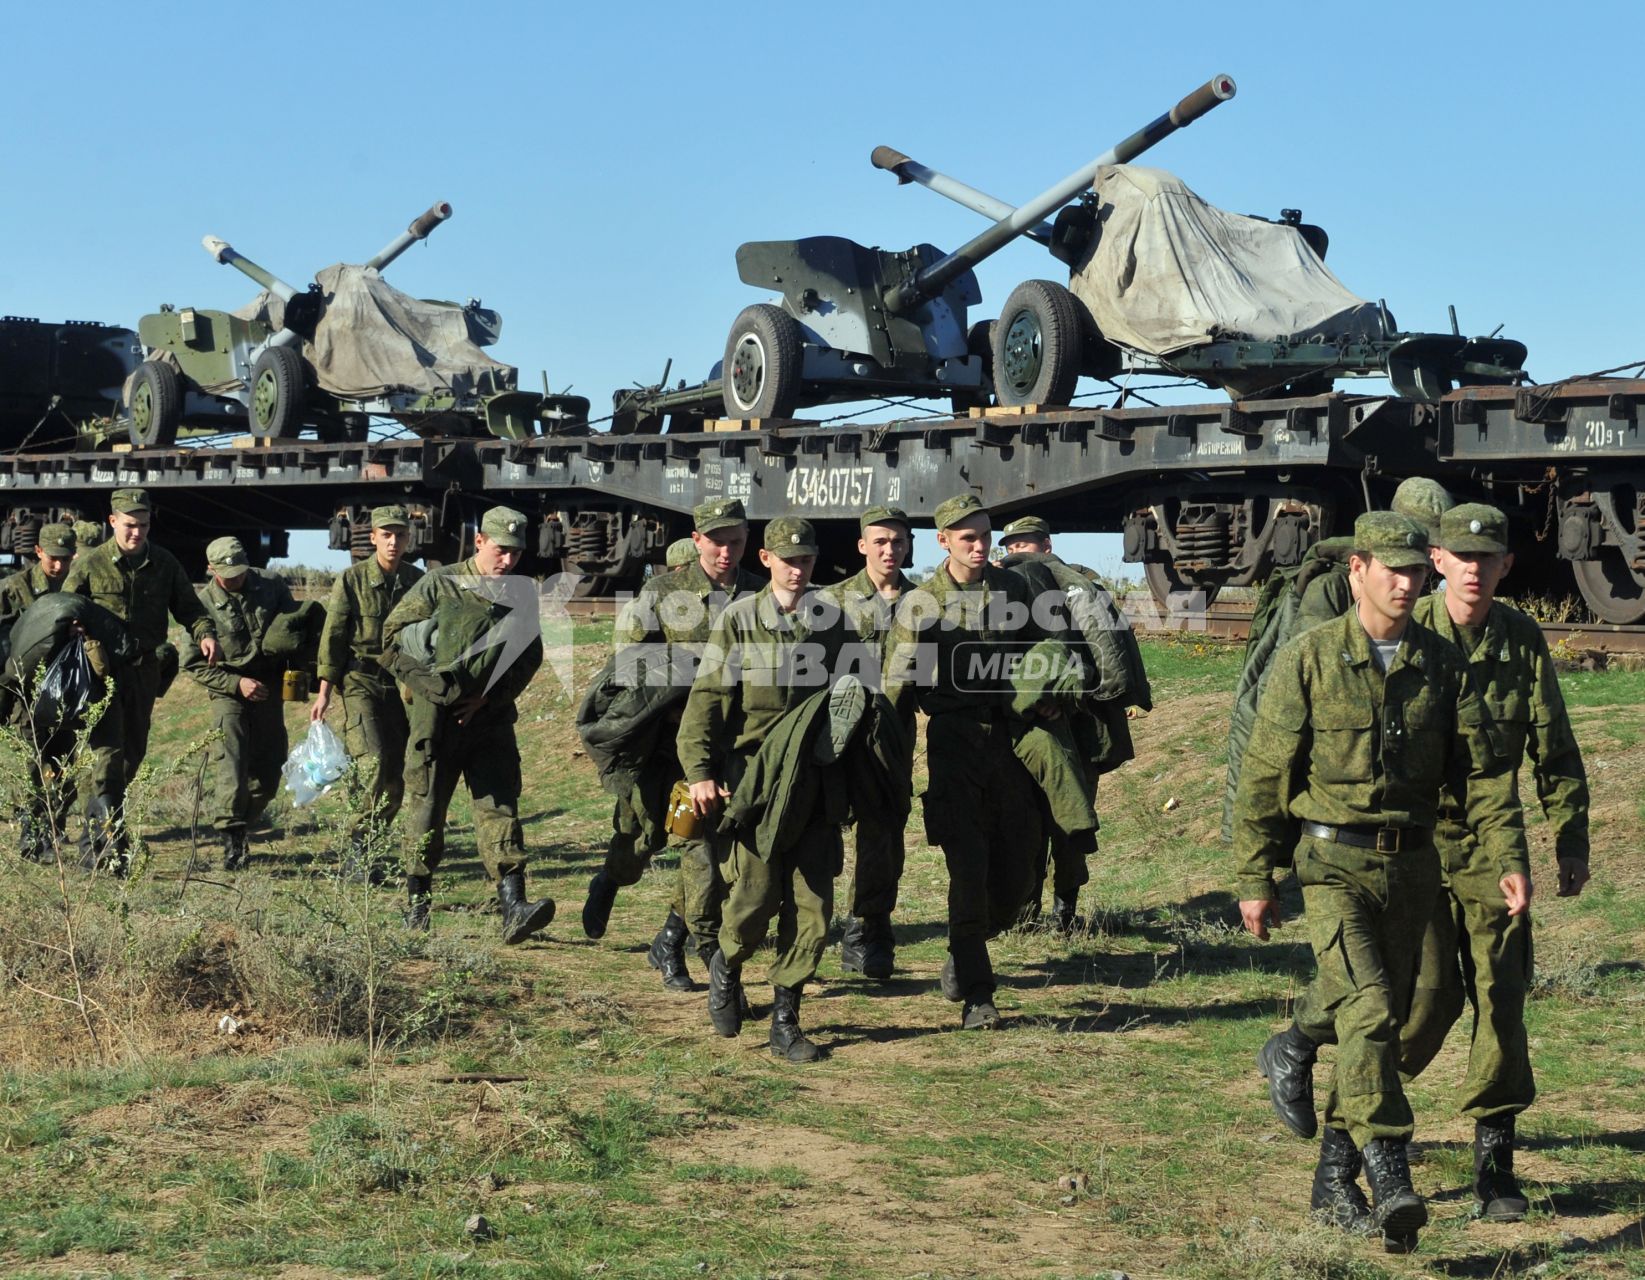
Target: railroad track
point(1231, 623)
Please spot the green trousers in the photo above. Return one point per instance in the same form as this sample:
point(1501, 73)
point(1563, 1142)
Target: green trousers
point(1366, 913)
point(484, 755)
point(637, 835)
point(120, 740)
point(1474, 952)
point(796, 889)
point(375, 731)
point(875, 869)
point(243, 772)
point(1065, 858)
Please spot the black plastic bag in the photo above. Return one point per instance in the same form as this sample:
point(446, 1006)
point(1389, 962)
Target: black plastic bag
point(68, 687)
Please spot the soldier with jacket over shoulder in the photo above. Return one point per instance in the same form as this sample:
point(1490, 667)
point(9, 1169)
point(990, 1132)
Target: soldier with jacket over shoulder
point(1362, 724)
point(672, 617)
point(244, 769)
point(375, 728)
point(141, 584)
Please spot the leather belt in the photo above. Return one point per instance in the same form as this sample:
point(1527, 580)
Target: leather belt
point(1382, 839)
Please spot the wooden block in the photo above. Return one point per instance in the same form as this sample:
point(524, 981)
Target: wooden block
point(251, 442)
point(1006, 411)
point(121, 446)
point(733, 424)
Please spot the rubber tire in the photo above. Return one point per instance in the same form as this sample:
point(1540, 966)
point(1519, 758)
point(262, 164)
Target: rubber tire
point(778, 334)
point(285, 367)
point(165, 392)
point(1053, 310)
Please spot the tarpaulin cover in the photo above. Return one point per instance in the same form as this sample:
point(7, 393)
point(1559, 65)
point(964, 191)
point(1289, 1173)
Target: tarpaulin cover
point(1170, 271)
point(372, 339)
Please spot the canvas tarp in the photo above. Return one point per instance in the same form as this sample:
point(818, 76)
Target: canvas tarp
point(1170, 271)
point(372, 339)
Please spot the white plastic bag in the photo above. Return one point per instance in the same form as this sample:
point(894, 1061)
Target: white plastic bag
point(314, 765)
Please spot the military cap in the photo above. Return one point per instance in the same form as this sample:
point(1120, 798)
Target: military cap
point(393, 516)
point(126, 501)
point(953, 511)
point(1424, 500)
point(1025, 527)
point(57, 540)
point(790, 536)
point(883, 515)
point(1398, 541)
point(1472, 529)
point(88, 534)
point(681, 552)
point(505, 526)
point(226, 558)
point(721, 513)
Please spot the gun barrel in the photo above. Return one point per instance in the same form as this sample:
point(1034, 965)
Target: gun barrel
point(425, 223)
point(222, 251)
point(933, 279)
point(906, 170)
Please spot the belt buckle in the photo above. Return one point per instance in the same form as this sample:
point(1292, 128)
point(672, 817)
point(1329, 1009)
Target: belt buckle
point(1388, 839)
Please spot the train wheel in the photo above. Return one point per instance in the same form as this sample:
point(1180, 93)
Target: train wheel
point(156, 405)
point(1612, 588)
point(1175, 593)
point(1036, 344)
point(761, 377)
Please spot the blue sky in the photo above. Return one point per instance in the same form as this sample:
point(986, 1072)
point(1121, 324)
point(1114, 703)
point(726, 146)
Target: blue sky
point(604, 162)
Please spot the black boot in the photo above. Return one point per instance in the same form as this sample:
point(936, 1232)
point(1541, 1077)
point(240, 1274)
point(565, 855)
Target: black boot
point(1396, 1209)
point(1337, 1200)
point(1063, 915)
point(359, 867)
point(521, 919)
point(667, 954)
point(1497, 1197)
point(102, 839)
point(949, 983)
point(234, 848)
point(602, 893)
point(1288, 1062)
point(34, 845)
point(852, 946)
point(725, 995)
point(787, 1040)
point(419, 898)
point(879, 953)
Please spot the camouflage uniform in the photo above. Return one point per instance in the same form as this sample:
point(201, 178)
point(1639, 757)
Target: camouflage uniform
point(141, 590)
point(676, 611)
point(244, 768)
point(21, 589)
point(375, 728)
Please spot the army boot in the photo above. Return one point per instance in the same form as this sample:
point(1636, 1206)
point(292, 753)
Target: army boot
point(235, 850)
point(419, 898)
point(1337, 1200)
point(852, 946)
point(1497, 1196)
point(949, 981)
point(667, 953)
point(602, 894)
point(787, 1040)
point(1288, 1062)
point(1396, 1209)
point(521, 918)
point(879, 950)
point(102, 841)
point(34, 844)
point(359, 867)
point(980, 1013)
point(1064, 917)
point(725, 995)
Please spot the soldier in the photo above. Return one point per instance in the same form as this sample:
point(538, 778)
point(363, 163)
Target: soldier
point(681, 552)
point(140, 583)
point(981, 805)
point(676, 610)
point(459, 735)
point(88, 534)
point(868, 602)
point(1361, 724)
point(244, 685)
point(39, 823)
point(351, 651)
point(1477, 948)
point(753, 673)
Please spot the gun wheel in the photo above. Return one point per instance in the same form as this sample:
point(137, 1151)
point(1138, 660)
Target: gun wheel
point(1036, 344)
point(277, 387)
point(156, 405)
point(761, 377)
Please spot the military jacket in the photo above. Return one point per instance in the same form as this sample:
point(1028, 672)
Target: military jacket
point(361, 598)
point(421, 603)
point(141, 591)
point(1339, 742)
point(22, 589)
point(1326, 597)
point(759, 663)
point(663, 611)
point(241, 619)
point(1514, 673)
point(867, 612)
point(948, 640)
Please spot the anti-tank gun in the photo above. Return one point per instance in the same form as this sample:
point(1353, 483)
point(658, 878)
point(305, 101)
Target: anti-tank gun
point(857, 322)
point(1160, 280)
point(330, 357)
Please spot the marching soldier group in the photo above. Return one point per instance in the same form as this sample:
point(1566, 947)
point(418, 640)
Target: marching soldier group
point(756, 717)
